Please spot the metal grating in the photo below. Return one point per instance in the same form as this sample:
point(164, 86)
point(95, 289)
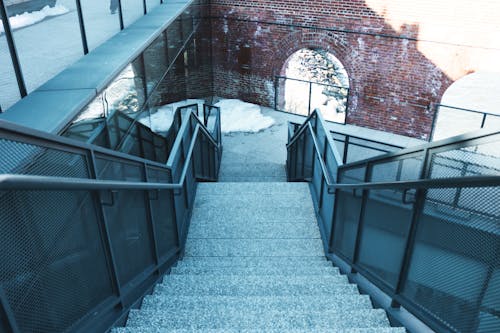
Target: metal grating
point(455, 261)
point(52, 254)
point(30, 159)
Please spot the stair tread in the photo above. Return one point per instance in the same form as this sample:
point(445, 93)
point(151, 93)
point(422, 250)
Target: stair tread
point(259, 319)
point(296, 271)
point(235, 229)
point(266, 214)
point(253, 247)
point(148, 329)
point(257, 302)
point(250, 285)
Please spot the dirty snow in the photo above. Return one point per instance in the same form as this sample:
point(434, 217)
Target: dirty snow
point(27, 19)
point(161, 119)
point(239, 116)
point(236, 116)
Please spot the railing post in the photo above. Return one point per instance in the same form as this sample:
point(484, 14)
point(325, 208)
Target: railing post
point(120, 14)
point(347, 104)
point(434, 109)
point(12, 50)
point(151, 220)
point(483, 122)
point(346, 149)
point(310, 99)
point(276, 82)
point(144, 7)
point(359, 232)
point(8, 314)
point(418, 206)
point(103, 226)
point(81, 22)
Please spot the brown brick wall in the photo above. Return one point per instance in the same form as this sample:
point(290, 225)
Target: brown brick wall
point(397, 66)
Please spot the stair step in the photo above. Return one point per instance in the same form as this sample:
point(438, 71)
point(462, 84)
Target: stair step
point(248, 214)
point(253, 169)
point(254, 262)
point(295, 271)
point(254, 285)
point(284, 320)
point(253, 200)
point(253, 247)
point(245, 178)
point(236, 229)
point(147, 329)
point(255, 303)
point(249, 187)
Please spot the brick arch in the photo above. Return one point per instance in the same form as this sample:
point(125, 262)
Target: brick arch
point(333, 42)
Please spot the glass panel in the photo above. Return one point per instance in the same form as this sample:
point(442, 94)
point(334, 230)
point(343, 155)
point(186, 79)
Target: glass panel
point(132, 10)
point(51, 43)
point(100, 22)
point(127, 93)
point(174, 39)
point(9, 91)
point(156, 62)
point(187, 24)
point(151, 4)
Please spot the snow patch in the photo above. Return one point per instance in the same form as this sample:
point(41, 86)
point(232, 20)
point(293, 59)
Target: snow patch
point(161, 119)
point(27, 19)
point(239, 116)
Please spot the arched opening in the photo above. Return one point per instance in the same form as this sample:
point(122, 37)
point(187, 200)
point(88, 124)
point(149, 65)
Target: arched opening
point(470, 103)
point(313, 79)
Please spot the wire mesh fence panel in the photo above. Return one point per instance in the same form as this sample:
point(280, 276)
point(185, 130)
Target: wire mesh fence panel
point(33, 159)
point(453, 274)
point(383, 240)
point(128, 219)
point(54, 270)
point(347, 213)
point(163, 213)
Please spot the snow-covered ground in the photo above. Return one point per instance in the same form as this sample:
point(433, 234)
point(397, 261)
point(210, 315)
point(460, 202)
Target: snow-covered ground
point(236, 116)
point(239, 116)
point(27, 19)
point(55, 43)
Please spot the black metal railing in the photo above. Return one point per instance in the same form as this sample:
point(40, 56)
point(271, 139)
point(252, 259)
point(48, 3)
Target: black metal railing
point(421, 224)
point(303, 97)
point(86, 231)
point(353, 148)
point(451, 120)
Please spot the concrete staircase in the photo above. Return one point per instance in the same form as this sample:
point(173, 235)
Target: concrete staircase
point(254, 262)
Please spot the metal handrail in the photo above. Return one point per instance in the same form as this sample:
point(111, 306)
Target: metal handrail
point(321, 162)
point(69, 144)
point(30, 182)
point(301, 129)
point(473, 181)
point(419, 148)
point(305, 81)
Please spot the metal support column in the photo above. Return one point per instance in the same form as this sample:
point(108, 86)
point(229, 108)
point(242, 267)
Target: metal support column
point(12, 50)
point(81, 22)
